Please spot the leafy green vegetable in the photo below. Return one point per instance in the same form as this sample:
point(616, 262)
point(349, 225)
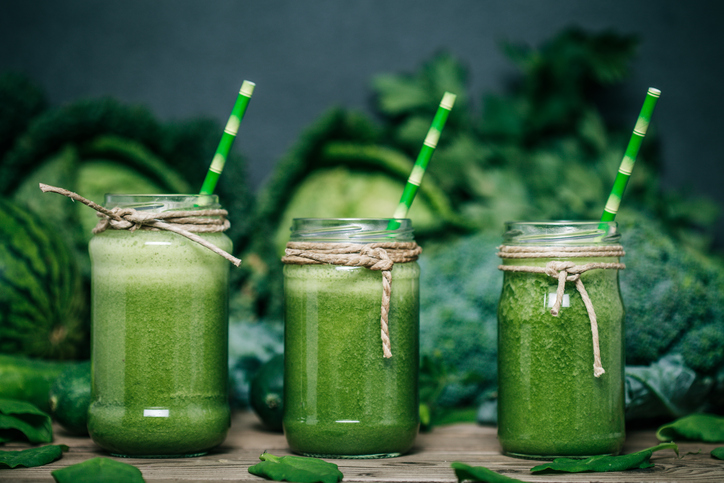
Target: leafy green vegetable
point(99, 470)
point(296, 468)
point(632, 461)
point(707, 428)
point(29, 458)
point(718, 453)
point(666, 388)
point(465, 472)
point(19, 418)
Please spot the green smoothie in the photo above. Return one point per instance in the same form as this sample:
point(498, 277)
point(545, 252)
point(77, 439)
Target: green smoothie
point(550, 403)
point(342, 398)
point(159, 344)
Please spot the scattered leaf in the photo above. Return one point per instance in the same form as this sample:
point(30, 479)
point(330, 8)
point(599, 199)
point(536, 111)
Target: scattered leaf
point(718, 453)
point(296, 468)
point(99, 470)
point(633, 461)
point(465, 472)
point(706, 428)
point(29, 458)
point(20, 418)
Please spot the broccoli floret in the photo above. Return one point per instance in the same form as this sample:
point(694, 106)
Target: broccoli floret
point(703, 348)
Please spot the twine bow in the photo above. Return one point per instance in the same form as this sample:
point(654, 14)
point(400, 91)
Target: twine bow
point(375, 256)
point(184, 223)
point(567, 271)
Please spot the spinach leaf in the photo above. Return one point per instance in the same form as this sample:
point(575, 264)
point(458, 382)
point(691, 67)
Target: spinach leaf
point(602, 463)
point(31, 457)
point(479, 473)
point(20, 418)
point(707, 428)
point(296, 468)
point(99, 470)
point(718, 453)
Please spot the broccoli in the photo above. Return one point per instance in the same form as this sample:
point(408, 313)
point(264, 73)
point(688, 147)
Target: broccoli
point(703, 348)
point(459, 289)
point(671, 295)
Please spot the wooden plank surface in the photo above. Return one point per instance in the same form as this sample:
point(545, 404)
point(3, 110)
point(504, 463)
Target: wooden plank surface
point(428, 462)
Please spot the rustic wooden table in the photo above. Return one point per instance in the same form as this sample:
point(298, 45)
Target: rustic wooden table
point(428, 462)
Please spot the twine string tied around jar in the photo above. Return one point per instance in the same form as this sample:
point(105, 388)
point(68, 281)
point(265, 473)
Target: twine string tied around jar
point(375, 256)
point(185, 223)
point(567, 271)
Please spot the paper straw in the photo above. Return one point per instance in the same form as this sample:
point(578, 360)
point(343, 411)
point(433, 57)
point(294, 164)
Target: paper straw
point(629, 158)
point(227, 139)
point(418, 170)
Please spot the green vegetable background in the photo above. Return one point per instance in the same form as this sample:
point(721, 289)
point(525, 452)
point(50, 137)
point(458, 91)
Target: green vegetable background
point(538, 149)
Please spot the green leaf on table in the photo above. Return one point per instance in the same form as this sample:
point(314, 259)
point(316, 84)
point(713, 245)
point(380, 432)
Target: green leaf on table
point(20, 418)
point(633, 461)
point(99, 470)
point(29, 458)
point(296, 468)
point(718, 453)
point(465, 472)
point(706, 428)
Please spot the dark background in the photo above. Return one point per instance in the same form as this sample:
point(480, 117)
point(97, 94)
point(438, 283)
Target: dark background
point(186, 58)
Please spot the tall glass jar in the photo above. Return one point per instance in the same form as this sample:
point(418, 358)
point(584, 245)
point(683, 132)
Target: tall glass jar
point(159, 336)
point(560, 378)
point(342, 396)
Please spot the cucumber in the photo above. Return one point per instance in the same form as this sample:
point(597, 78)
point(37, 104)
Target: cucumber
point(266, 393)
point(29, 380)
point(70, 397)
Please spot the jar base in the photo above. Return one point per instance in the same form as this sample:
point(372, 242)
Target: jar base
point(159, 456)
point(353, 456)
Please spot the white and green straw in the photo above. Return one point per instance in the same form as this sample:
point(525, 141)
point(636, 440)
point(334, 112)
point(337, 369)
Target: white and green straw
point(629, 158)
point(428, 147)
point(227, 139)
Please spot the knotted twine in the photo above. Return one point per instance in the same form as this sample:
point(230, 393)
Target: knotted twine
point(567, 272)
point(375, 256)
point(185, 223)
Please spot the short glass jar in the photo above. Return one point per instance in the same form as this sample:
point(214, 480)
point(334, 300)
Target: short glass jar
point(551, 403)
point(342, 397)
point(159, 336)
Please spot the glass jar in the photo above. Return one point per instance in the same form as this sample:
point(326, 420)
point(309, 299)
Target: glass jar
point(342, 397)
point(159, 336)
point(551, 403)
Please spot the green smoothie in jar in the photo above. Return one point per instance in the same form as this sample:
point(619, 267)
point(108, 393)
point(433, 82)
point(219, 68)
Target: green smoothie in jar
point(342, 397)
point(159, 336)
point(551, 402)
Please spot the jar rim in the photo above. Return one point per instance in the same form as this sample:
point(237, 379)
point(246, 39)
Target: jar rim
point(161, 202)
point(351, 230)
point(561, 232)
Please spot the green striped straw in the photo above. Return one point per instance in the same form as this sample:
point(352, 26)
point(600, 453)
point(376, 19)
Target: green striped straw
point(418, 171)
point(227, 139)
point(629, 158)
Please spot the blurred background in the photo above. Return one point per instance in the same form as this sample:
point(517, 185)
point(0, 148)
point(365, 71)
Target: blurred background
point(133, 95)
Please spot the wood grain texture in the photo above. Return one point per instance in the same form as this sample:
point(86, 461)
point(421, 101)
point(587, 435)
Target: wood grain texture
point(429, 461)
